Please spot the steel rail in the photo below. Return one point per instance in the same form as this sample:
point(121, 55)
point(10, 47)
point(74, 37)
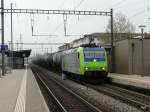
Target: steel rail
point(77, 96)
point(106, 89)
point(109, 92)
point(130, 92)
point(51, 93)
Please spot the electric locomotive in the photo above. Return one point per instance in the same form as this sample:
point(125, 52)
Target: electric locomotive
point(85, 62)
point(81, 62)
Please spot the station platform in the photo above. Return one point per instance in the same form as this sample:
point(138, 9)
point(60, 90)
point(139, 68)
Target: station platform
point(131, 80)
point(19, 92)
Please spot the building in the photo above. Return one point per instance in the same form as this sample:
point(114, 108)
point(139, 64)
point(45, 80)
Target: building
point(132, 56)
point(64, 47)
point(100, 39)
point(18, 58)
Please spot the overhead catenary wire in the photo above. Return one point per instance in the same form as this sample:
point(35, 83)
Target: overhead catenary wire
point(75, 8)
point(32, 22)
point(138, 13)
point(78, 5)
point(32, 28)
point(148, 6)
point(147, 9)
point(118, 3)
point(59, 7)
point(119, 6)
point(14, 4)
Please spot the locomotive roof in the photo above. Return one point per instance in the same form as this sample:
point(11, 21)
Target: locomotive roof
point(95, 49)
point(86, 48)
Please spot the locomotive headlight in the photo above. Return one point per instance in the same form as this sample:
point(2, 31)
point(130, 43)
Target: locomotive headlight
point(103, 68)
point(94, 60)
point(86, 68)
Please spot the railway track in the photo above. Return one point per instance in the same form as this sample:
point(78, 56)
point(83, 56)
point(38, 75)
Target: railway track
point(64, 99)
point(138, 100)
point(130, 97)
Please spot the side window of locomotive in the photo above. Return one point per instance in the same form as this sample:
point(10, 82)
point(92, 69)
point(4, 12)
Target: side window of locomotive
point(78, 55)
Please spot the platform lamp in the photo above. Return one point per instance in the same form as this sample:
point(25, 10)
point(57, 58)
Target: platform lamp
point(142, 57)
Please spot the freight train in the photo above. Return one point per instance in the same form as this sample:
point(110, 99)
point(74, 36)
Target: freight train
point(80, 62)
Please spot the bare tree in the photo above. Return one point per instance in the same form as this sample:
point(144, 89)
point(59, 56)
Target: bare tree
point(121, 24)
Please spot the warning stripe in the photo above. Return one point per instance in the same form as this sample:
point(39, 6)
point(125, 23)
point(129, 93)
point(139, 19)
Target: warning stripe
point(21, 100)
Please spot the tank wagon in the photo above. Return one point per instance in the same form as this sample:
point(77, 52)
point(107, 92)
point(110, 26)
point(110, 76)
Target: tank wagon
point(80, 62)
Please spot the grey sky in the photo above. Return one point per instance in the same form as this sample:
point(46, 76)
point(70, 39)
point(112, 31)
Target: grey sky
point(53, 24)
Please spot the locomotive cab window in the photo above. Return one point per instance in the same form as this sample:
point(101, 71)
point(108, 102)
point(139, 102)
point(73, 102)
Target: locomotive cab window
point(96, 53)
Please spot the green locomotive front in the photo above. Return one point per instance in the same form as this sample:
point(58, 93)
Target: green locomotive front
point(93, 62)
point(86, 62)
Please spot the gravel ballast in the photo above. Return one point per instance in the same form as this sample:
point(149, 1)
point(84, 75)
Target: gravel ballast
point(104, 102)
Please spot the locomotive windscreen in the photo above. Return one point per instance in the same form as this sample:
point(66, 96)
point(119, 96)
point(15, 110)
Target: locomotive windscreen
point(94, 54)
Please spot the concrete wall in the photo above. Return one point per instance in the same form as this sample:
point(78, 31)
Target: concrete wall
point(131, 58)
point(146, 56)
point(139, 57)
point(121, 57)
point(135, 58)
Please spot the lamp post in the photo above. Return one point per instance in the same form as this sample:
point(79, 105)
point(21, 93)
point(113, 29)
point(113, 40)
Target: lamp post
point(2, 36)
point(11, 38)
point(142, 54)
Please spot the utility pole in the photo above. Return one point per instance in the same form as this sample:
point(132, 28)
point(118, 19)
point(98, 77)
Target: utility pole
point(112, 46)
point(20, 41)
point(142, 53)
point(2, 46)
point(11, 38)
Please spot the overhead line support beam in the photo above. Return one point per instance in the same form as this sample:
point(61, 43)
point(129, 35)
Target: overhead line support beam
point(41, 43)
point(62, 12)
point(70, 12)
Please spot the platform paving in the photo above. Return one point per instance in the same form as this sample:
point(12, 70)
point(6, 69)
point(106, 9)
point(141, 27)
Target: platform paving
point(19, 92)
point(133, 80)
point(9, 89)
point(34, 99)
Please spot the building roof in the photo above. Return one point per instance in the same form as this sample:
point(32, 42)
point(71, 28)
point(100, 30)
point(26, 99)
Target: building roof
point(20, 53)
point(101, 39)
